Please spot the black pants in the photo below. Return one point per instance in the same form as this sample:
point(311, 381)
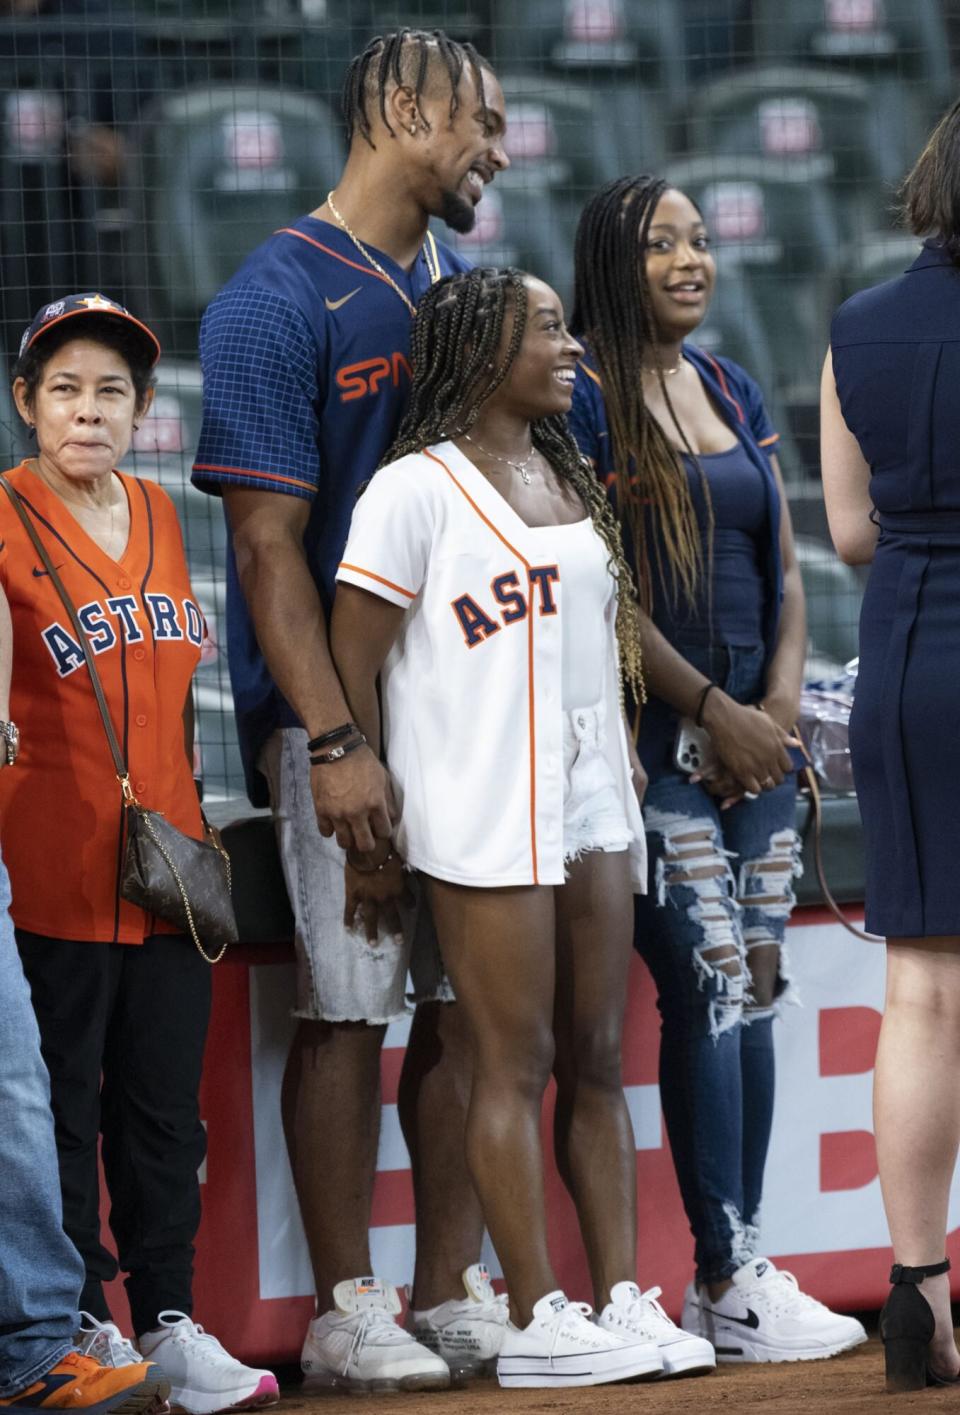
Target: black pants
point(122, 1029)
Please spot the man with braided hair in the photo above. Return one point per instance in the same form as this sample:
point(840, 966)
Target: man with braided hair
point(485, 582)
point(305, 358)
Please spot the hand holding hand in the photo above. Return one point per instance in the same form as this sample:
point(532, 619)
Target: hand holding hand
point(375, 891)
point(751, 745)
point(354, 800)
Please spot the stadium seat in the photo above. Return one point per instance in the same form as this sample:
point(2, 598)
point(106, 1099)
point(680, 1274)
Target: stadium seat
point(576, 137)
point(827, 124)
point(904, 39)
point(642, 38)
point(222, 168)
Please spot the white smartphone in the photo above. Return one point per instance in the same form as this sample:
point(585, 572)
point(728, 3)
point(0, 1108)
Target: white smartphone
point(693, 750)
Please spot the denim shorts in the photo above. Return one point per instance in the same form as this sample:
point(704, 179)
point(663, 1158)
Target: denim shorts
point(340, 976)
point(593, 812)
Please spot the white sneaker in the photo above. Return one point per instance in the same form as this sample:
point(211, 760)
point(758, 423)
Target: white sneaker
point(466, 1332)
point(105, 1343)
point(765, 1317)
point(562, 1347)
point(638, 1316)
point(204, 1377)
point(358, 1346)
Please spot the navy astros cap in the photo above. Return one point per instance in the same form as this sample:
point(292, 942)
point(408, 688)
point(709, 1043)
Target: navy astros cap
point(90, 304)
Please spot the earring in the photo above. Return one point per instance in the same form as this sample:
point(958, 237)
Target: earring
point(413, 129)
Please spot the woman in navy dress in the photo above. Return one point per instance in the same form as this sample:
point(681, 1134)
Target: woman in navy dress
point(891, 474)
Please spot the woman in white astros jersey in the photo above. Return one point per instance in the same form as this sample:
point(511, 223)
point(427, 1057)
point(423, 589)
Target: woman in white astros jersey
point(484, 581)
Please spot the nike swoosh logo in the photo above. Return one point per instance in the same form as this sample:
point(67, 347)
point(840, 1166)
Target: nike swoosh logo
point(38, 573)
point(335, 304)
point(750, 1320)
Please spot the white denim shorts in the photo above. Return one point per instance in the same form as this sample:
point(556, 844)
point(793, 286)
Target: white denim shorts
point(593, 810)
point(340, 976)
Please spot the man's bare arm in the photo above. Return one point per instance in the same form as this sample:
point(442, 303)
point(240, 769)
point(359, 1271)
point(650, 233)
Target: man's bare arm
point(288, 618)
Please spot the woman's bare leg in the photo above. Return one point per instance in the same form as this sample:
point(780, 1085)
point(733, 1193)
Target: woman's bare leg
point(593, 1134)
point(916, 1105)
point(498, 946)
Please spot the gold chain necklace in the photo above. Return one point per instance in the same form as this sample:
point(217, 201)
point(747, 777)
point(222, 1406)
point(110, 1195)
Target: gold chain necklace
point(667, 372)
point(430, 255)
point(520, 466)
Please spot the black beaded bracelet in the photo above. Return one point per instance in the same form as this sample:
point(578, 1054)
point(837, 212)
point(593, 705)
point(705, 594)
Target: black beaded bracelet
point(337, 753)
point(336, 734)
point(698, 715)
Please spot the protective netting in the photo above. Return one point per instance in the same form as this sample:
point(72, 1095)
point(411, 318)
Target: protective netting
point(147, 147)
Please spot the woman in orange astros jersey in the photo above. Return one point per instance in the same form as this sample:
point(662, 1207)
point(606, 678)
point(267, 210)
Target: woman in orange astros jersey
point(484, 579)
point(122, 1000)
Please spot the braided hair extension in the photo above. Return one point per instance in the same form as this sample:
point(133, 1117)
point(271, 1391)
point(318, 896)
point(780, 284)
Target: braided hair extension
point(613, 312)
point(404, 58)
point(457, 366)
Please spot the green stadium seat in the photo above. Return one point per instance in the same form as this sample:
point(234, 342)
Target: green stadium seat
point(576, 137)
point(222, 168)
point(903, 39)
point(827, 124)
point(642, 38)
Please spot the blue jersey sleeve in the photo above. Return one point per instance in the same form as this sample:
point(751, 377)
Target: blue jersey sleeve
point(587, 419)
point(748, 393)
point(260, 365)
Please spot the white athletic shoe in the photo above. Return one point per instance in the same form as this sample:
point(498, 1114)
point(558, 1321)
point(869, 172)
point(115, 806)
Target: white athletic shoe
point(105, 1343)
point(638, 1316)
point(466, 1332)
point(563, 1347)
point(359, 1346)
point(203, 1376)
point(765, 1317)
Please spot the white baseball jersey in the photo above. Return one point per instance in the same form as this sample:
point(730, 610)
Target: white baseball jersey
point(473, 718)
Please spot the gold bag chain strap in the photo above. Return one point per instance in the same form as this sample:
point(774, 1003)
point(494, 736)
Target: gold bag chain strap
point(120, 767)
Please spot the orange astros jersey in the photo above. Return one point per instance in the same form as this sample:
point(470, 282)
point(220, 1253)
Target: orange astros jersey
point(61, 811)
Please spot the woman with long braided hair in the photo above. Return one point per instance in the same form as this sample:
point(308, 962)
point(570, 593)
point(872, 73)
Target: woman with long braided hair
point(484, 580)
point(685, 444)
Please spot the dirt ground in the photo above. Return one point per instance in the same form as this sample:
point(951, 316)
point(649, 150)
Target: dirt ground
point(847, 1385)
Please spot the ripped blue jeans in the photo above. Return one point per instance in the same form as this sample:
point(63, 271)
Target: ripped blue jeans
point(711, 929)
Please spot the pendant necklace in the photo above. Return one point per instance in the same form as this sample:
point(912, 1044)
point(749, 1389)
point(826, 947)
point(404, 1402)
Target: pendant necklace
point(520, 466)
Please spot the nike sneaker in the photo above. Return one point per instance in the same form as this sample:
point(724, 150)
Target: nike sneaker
point(765, 1317)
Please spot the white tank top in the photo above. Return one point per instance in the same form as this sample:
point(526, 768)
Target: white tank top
point(588, 592)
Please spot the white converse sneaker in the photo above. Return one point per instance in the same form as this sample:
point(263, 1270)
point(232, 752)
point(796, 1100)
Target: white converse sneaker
point(359, 1346)
point(466, 1332)
point(765, 1317)
point(562, 1347)
point(639, 1317)
point(204, 1377)
point(105, 1343)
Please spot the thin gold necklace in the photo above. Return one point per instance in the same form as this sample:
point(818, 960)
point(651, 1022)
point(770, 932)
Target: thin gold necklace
point(520, 466)
point(432, 265)
point(667, 372)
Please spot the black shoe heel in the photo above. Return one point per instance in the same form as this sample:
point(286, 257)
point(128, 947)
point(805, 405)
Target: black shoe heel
point(907, 1326)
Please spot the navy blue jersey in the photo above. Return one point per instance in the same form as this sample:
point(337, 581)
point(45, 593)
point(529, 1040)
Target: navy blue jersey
point(305, 356)
point(740, 402)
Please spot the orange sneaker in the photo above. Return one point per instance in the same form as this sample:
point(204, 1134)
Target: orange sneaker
point(82, 1384)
